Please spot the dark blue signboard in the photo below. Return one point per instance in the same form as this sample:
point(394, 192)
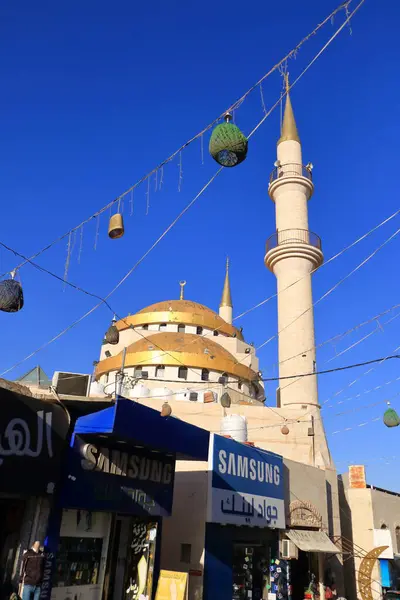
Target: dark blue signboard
point(118, 478)
point(245, 485)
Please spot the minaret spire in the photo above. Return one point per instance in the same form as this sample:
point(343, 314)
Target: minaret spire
point(289, 128)
point(225, 307)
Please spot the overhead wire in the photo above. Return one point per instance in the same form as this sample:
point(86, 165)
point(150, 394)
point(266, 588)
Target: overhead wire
point(77, 321)
point(234, 106)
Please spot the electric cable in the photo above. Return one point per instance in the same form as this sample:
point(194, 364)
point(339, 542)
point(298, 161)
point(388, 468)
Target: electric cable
point(234, 106)
point(77, 321)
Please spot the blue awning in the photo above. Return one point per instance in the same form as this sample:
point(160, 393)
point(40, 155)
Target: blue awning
point(136, 424)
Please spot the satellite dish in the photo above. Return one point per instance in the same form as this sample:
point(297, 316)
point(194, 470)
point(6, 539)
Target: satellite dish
point(225, 400)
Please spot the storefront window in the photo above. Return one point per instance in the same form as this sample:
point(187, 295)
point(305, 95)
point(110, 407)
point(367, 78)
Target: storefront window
point(78, 561)
point(140, 563)
point(251, 572)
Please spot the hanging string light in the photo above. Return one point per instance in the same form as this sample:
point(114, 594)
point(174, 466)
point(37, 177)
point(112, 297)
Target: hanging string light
point(11, 295)
point(228, 145)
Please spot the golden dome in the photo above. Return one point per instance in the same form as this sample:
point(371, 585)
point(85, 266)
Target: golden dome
point(179, 311)
point(178, 349)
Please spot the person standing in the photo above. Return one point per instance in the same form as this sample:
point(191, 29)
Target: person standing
point(32, 572)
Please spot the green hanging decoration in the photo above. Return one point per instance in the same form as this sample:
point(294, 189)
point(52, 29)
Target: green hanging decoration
point(228, 145)
point(391, 418)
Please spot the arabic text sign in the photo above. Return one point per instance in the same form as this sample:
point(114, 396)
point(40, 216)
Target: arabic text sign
point(245, 485)
point(135, 481)
point(32, 437)
point(172, 585)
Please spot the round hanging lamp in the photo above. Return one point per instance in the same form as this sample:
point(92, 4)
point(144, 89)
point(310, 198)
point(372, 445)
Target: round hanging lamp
point(285, 430)
point(11, 296)
point(391, 418)
point(228, 145)
point(112, 334)
point(116, 227)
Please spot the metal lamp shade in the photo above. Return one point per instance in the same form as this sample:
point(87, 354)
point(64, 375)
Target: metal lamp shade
point(112, 335)
point(11, 296)
point(116, 226)
point(228, 145)
point(391, 418)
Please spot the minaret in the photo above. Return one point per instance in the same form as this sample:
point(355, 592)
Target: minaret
point(292, 254)
point(225, 307)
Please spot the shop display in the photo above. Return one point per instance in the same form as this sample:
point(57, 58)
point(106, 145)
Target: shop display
point(251, 575)
point(78, 561)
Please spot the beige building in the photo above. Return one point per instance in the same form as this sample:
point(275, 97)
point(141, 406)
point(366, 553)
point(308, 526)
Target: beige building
point(370, 522)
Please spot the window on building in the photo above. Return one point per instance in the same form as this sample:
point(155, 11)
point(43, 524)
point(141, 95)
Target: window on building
point(205, 374)
point(215, 332)
point(160, 371)
point(182, 372)
point(240, 385)
point(145, 327)
point(181, 328)
point(106, 377)
point(162, 327)
point(398, 538)
point(137, 372)
point(383, 526)
point(199, 331)
point(186, 553)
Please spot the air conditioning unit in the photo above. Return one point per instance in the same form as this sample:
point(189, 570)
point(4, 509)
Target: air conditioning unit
point(288, 550)
point(71, 384)
point(143, 375)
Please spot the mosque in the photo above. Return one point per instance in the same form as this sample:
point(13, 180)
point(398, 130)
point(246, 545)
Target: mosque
point(184, 359)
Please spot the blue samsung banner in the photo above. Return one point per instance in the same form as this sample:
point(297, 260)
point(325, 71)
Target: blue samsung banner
point(245, 485)
point(118, 478)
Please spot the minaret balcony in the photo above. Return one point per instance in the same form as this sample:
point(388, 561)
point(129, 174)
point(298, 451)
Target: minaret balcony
point(291, 173)
point(294, 243)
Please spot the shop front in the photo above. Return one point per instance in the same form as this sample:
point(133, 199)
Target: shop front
point(105, 536)
point(33, 436)
point(245, 513)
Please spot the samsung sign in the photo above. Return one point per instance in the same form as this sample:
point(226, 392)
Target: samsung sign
point(245, 485)
point(118, 478)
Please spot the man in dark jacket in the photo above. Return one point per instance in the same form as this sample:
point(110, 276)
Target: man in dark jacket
point(32, 572)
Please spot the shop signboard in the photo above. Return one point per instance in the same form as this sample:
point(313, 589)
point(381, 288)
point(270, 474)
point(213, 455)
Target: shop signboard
point(172, 585)
point(32, 437)
point(245, 485)
point(116, 477)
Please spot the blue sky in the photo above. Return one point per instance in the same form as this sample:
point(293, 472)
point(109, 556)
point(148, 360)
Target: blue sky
point(95, 95)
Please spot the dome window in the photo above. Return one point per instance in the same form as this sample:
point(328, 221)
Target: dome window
point(215, 332)
point(181, 328)
point(145, 327)
point(199, 331)
point(205, 375)
point(182, 372)
point(160, 371)
point(162, 327)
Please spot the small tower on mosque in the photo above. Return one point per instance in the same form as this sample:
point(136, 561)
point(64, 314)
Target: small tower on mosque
point(225, 307)
point(293, 252)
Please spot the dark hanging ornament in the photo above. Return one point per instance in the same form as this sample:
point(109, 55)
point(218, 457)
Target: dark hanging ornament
point(225, 400)
point(391, 418)
point(112, 334)
point(11, 296)
point(228, 145)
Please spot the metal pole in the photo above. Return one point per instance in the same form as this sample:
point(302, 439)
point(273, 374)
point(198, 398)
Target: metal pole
point(120, 374)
